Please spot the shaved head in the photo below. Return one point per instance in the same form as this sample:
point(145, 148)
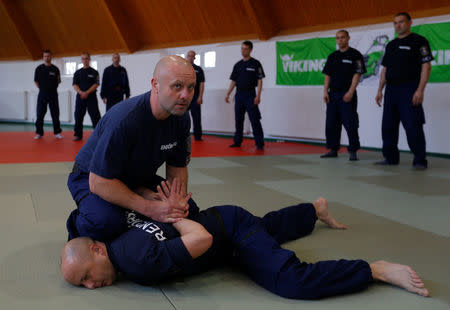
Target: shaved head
point(86, 262)
point(171, 62)
point(173, 86)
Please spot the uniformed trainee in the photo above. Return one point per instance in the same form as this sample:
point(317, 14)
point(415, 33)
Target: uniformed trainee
point(115, 85)
point(116, 168)
point(47, 79)
point(197, 100)
point(406, 69)
point(246, 76)
point(85, 82)
point(151, 252)
point(342, 71)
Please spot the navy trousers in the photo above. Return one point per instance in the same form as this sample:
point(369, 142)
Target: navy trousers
point(341, 113)
point(91, 105)
point(398, 107)
point(245, 102)
point(196, 113)
point(96, 218)
point(258, 252)
point(50, 99)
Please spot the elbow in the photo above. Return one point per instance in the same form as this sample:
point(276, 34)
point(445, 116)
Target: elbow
point(207, 240)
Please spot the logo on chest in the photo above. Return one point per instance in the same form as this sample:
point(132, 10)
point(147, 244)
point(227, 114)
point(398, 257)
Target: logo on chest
point(52, 73)
point(250, 69)
point(148, 227)
point(404, 47)
point(169, 146)
point(347, 61)
point(91, 76)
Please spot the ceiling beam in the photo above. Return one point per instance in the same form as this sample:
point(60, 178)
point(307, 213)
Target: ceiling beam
point(123, 24)
point(23, 28)
point(258, 11)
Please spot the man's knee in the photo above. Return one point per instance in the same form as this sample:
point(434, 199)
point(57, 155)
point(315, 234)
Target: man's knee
point(100, 219)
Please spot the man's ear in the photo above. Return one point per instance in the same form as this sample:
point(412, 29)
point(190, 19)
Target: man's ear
point(96, 249)
point(155, 85)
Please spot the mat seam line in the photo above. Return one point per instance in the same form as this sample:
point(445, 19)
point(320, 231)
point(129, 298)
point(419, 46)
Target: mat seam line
point(167, 297)
point(34, 208)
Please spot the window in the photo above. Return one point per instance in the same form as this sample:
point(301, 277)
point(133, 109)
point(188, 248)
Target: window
point(71, 66)
point(197, 60)
point(181, 55)
point(210, 59)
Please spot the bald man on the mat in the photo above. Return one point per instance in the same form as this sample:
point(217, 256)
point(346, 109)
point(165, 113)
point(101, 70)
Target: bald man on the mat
point(150, 252)
point(116, 169)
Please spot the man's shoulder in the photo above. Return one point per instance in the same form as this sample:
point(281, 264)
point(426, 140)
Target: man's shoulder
point(256, 61)
point(418, 38)
point(355, 52)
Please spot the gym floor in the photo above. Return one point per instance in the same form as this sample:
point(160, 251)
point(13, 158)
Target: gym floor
point(394, 213)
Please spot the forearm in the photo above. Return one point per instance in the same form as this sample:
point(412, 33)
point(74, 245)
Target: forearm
point(355, 81)
point(424, 76)
point(181, 173)
point(117, 193)
point(382, 80)
point(37, 84)
point(195, 237)
point(259, 88)
point(230, 89)
point(201, 90)
point(326, 83)
point(92, 89)
point(77, 89)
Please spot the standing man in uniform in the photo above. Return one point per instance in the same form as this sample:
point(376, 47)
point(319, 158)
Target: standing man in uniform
point(342, 71)
point(247, 74)
point(115, 83)
point(406, 69)
point(85, 82)
point(197, 101)
point(47, 79)
point(115, 170)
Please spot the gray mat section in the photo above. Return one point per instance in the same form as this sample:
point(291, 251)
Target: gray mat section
point(394, 213)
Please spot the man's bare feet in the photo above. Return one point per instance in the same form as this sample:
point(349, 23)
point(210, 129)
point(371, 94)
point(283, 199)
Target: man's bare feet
point(399, 275)
point(321, 206)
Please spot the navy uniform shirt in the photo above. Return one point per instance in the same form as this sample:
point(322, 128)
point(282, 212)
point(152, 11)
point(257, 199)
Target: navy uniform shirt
point(85, 78)
point(404, 57)
point(150, 251)
point(200, 78)
point(115, 83)
point(247, 73)
point(341, 66)
point(48, 78)
point(130, 144)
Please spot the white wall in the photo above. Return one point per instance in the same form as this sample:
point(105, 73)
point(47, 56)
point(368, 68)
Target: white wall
point(287, 111)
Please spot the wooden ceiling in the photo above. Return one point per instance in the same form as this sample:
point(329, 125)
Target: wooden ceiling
point(68, 27)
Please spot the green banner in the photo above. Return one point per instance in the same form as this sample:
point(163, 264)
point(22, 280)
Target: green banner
point(301, 62)
point(438, 35)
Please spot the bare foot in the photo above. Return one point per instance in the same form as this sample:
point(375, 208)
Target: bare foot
point(399, 275)
point(321, 206)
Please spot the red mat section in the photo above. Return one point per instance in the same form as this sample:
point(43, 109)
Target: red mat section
point(20, 147)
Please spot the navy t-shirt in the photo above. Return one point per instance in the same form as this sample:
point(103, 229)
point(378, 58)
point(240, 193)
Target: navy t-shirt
point(341, 66)
point(48, 78)
point(85, 78)
point(247, 73)
point(130, 144)
point(404, 57)
point(200, 78)
point(115, 83)
point(150, 251)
